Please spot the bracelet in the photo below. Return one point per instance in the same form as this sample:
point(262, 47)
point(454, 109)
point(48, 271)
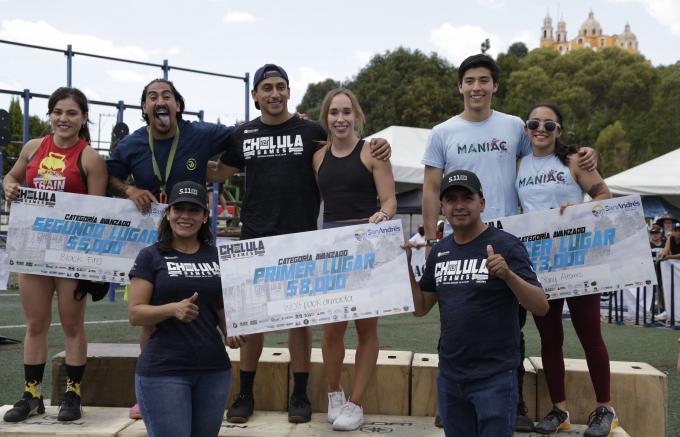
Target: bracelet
point(387, 216)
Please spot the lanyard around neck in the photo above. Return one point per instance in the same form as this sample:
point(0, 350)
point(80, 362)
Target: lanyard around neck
point(163, 179)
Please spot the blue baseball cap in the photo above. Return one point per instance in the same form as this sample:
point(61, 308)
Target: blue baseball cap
point(268, 70)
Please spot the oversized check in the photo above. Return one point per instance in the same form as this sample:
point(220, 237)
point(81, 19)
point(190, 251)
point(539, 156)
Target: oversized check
point(312, 278)
point(594, 247)
point(77, 236)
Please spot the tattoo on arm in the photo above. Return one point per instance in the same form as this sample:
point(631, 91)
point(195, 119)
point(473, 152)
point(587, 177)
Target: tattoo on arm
point(596, 189)
point(117, 188)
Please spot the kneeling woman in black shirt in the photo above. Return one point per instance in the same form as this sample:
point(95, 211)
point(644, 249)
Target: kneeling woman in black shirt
point(183, 374)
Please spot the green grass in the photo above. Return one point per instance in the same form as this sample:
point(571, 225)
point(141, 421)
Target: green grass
point(403, 332)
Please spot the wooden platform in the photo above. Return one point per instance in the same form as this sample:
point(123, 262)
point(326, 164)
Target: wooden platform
point(639, 394)
point(109, 379)
point(96, 421)
point(271, 381)
point(387, 391)
point(100, 421)
point(271, 424)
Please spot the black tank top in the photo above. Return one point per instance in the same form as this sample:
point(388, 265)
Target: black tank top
point(347, 187)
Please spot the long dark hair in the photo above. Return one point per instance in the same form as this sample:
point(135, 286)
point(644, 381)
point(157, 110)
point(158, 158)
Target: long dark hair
point(562, 151)
point(80, 99)
point(165, 234)
point(178, 97)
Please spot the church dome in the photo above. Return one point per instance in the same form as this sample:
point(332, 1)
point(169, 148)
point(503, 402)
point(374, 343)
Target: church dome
point(627, 35)
point(590, 27)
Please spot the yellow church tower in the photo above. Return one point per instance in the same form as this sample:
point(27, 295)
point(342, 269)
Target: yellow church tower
point(589, 36)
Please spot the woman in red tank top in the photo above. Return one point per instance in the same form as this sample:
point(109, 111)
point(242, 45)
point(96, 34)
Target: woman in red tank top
point(61, 161)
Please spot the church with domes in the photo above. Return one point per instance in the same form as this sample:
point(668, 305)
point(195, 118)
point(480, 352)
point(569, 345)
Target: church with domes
point(589, 36)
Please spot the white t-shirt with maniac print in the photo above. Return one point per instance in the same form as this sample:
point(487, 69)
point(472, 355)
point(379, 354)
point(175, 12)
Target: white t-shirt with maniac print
point(487, 148)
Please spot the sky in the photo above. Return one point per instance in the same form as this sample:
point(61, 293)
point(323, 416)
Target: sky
point(312, 40)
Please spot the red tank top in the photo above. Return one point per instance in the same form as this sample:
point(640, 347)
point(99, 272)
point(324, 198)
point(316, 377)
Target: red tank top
point(56, 169)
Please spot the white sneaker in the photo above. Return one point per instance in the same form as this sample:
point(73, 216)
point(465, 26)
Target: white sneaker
point(351, 417)
point(661, 316)
point(336, 399)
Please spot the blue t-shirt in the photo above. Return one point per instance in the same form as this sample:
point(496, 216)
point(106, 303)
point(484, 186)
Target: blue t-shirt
point(175, 347)
point(478, 313)
point(487, 148)
point(544, 182)
point(198, 142)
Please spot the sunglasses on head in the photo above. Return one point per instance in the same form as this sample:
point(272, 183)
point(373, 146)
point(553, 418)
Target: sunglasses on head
point(547, 125)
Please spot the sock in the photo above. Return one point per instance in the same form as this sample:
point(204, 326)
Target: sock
point(74, 374)
point(300, 383)
point(33, 375)
point(247, 380)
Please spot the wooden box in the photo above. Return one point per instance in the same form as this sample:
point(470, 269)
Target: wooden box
point(387, 391)
point(639, 394)
point(109, 379)
point(271, 380)
point(424, 371)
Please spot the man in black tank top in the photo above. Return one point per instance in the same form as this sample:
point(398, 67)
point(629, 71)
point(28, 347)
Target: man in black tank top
point(281, 197)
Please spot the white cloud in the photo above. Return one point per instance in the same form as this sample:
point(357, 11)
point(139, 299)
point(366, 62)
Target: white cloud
point(91, 93)
point(666, 12)
point(459, 42)
point(42, 33)
point(126, 76)
point(492, 4)
point(530, 38)
point(298, 85)
point(173, 51)
point(239, 17)
point(12, 84)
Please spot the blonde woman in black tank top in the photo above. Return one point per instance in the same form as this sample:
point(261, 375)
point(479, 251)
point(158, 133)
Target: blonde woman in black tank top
point(349, 180)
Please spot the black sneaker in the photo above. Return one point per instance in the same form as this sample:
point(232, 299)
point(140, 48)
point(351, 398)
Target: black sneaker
point(299, 409)
point(70, 408)
point(601, 423)
point(241, 409)
point(438, 421)
point(522, 422)
point(555, 420)
point(26, 407)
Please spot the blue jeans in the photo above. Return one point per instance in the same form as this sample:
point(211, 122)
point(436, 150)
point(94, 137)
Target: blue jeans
point(480, 408)
point(182, 406)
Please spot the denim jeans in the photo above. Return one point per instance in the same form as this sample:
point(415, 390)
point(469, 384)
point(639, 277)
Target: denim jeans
point(182, 406)
point(480, 408)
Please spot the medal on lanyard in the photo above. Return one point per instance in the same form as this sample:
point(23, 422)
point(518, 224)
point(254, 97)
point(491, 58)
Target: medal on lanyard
point(163, 178)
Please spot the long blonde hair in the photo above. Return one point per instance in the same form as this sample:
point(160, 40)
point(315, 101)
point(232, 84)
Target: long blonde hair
point(359, 118)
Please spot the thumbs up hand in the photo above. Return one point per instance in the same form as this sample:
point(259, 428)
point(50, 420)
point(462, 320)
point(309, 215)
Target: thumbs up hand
point(186, 310)
point(496, 264)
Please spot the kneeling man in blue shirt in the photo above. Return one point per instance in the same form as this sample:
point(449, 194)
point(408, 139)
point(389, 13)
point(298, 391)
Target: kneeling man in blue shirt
point(479, 275)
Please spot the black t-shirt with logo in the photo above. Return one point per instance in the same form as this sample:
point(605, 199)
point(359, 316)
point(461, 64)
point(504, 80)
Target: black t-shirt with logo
point(281, 195)
point(175, 347)
point(478, 313)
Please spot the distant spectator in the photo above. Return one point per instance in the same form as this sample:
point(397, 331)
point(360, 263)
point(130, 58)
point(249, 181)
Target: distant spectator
point(672, 249)
point(666, 224)
point(440, 230)
point(657, 245)
point(418, 239)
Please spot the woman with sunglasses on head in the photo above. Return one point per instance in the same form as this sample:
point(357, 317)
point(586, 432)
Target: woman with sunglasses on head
point(183, 374)
point(356, 188)
point(60, 161)
point(551, 178)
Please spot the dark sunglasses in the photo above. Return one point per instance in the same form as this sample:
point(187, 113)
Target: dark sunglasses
point(547, 125)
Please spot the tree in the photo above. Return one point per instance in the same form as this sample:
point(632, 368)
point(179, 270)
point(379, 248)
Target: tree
point(614, 149)
point(36, 128)
point(518, 49)
point(313, 98)
point(406, 87)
